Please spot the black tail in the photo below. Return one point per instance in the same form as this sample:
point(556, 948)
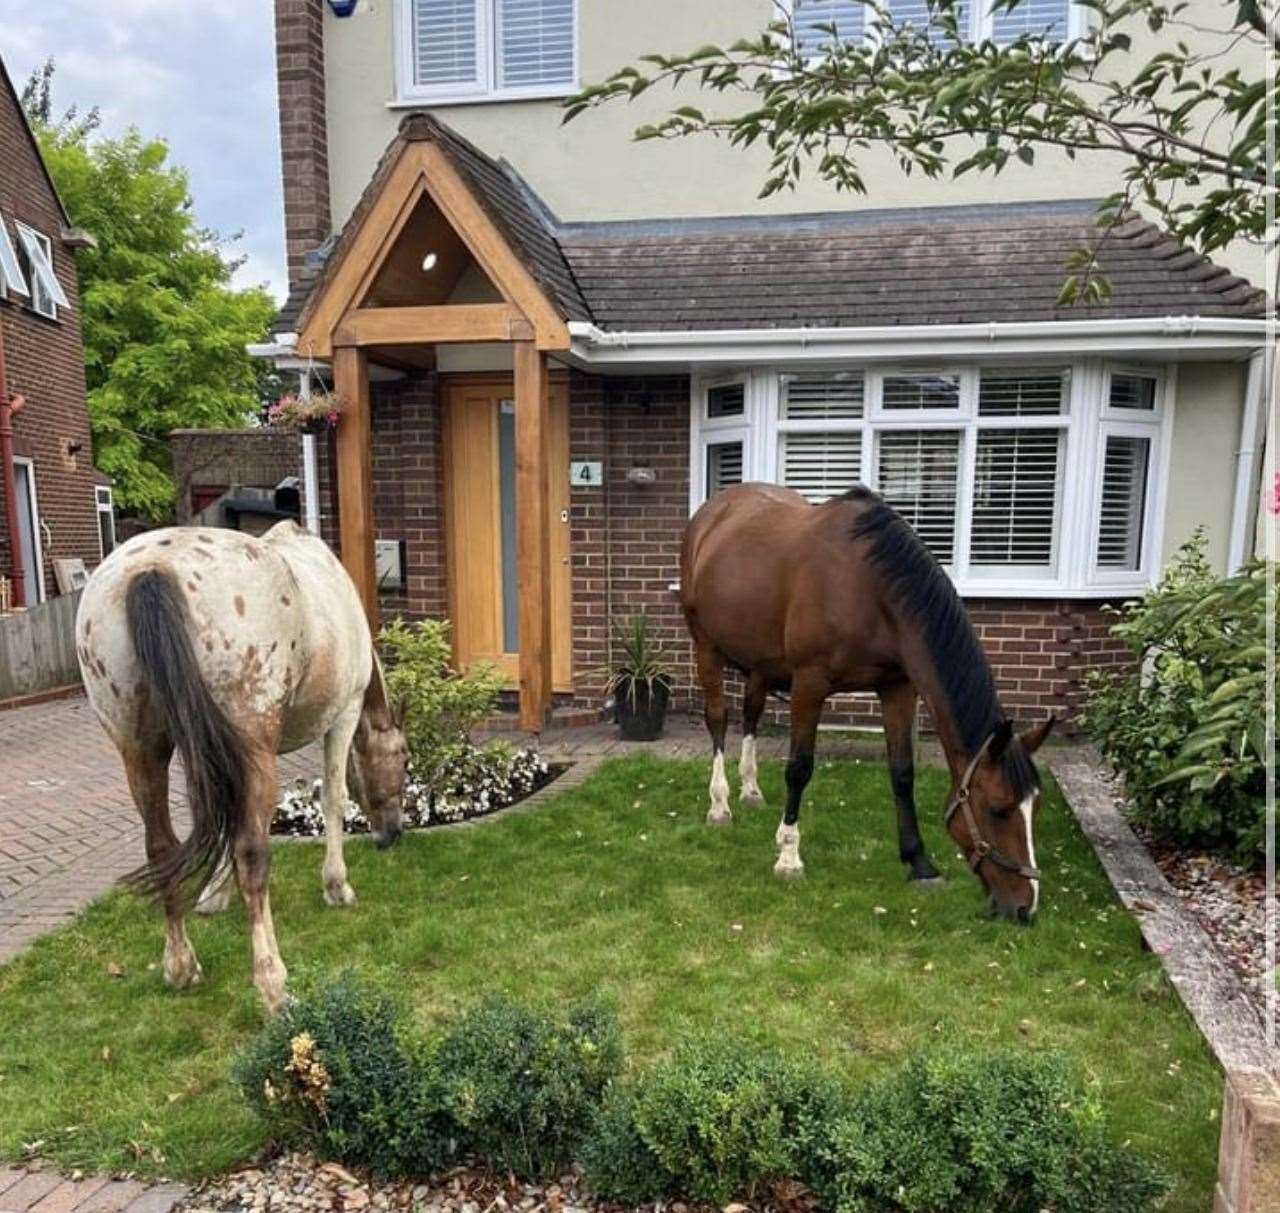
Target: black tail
point(213, 751)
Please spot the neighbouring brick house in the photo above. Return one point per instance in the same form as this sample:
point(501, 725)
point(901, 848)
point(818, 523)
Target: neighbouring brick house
point(63, 505)
point(209, 463)
point(675, 336)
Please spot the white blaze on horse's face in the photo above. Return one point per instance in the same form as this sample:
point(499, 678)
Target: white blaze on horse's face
point(1027, 808)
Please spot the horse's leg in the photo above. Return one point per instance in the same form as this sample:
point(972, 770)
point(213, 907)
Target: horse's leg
point(808, 693)
point(757, 692)
point(147, 769)
point(337, 745)
point(716, 712)
point(898, 707)
point(216, 895)
point(253, 871)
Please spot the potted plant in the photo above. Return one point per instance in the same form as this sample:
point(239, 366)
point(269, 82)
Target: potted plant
point(306, 415)
point(641, 683)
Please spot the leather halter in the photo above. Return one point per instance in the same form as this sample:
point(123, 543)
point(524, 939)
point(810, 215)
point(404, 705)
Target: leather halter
point(982, 849)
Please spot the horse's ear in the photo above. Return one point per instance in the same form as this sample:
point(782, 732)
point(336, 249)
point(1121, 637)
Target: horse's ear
point(1000, 740)
point(1034, 737)
point(398, 709)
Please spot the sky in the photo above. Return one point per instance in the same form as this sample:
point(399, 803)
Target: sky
point(198, 73)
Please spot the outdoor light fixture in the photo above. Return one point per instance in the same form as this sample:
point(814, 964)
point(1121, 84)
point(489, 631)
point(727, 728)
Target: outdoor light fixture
point(641, 476)
point(343, 8)
point(428, 263)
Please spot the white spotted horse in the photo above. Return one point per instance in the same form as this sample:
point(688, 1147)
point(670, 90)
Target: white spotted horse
point(232, 650)
point(844, 596)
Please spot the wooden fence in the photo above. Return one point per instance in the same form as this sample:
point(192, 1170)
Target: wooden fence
point(38, 648)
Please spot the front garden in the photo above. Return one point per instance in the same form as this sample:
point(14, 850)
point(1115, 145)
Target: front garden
point(616, 890)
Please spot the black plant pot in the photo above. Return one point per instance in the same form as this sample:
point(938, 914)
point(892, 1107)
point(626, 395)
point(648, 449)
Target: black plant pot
point(641, 714)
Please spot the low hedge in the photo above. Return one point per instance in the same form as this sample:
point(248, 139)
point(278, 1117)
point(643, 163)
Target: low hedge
point(532, 1093)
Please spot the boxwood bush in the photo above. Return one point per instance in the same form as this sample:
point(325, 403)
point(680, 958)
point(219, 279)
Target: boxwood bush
point(1185, 727)
point(530, 1093)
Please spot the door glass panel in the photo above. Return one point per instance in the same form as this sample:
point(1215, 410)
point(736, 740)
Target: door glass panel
point(507, 521)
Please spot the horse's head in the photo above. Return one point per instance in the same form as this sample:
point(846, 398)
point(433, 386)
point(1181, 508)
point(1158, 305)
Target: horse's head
point(376, 775)
point(991, 816)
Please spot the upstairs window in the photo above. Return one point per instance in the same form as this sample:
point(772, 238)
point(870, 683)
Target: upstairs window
point(35, 255)
point(471, 50)
point(12, 280)
point(813, 21)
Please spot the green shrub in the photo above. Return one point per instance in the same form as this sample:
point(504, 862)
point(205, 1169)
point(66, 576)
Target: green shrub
point(522, 1087)
point(440, 705)
point(969, 1133)
point(1185, 728)
point(719, 1119)
point(335, 1072)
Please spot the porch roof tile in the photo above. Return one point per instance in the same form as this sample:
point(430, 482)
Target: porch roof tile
point(925, 265)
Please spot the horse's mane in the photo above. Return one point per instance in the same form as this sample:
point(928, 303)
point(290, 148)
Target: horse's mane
point(920, 588)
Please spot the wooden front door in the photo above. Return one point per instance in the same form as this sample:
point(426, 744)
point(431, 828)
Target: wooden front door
point(480, 490)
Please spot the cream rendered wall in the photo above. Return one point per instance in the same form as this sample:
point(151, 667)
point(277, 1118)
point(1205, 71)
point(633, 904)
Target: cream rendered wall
point(592, 170)
point(1202, 464)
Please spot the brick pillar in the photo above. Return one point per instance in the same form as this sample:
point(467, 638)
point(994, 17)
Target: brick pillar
point(304, 139)
point(1249, 1151)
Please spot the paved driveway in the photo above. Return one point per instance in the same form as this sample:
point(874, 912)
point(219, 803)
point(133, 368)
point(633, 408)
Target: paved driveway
point(68, 828)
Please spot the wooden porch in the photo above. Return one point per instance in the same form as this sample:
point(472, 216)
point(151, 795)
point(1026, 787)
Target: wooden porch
point(389, 295)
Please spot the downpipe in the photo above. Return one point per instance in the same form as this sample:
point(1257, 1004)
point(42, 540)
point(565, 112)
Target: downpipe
point(10, 406)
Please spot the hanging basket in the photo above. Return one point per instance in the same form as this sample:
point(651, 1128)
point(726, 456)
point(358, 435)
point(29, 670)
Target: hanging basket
point(315, 414)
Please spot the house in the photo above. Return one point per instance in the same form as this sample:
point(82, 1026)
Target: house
point(54, 505)
point(552, 344)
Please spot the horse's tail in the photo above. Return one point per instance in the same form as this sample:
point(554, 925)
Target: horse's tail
point(213, 751)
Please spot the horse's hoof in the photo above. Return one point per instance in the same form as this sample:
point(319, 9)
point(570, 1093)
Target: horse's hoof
point(788, 869)
point(183, 976)
point(927, 882)
point(342, 895)
point(752, 796)
point(719, 817)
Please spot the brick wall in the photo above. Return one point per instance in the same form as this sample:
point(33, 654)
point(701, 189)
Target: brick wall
point(206, 459)
point(46, 365)
point(625, 543)
point(304, 141)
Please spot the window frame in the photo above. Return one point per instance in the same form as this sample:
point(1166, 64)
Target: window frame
point(104, 503)
point(981, 23)
point(485, 88)
point(1084, 423)
point(39, 292)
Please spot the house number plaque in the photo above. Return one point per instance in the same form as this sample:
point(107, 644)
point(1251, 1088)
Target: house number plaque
point(586, 474)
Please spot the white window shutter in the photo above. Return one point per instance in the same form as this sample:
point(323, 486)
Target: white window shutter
point(534, 43)
point(42, 267)
point(915, 392)
point(822, 466)
point(918, 475)
point(1047, 18)
point(809, 17)
point(11, 277)
point(446, 42)
point(1024, 393)
point(1122, 516)
point(822, 397)
point(1017, 486)
point(724, 466)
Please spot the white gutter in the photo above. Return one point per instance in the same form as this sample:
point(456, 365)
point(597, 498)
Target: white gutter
point(1252, 429)
point(1186, 334)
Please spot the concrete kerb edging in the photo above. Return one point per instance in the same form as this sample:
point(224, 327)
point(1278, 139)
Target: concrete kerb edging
point(1249, 1147)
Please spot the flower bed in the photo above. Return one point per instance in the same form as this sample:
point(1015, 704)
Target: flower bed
point(478, 781)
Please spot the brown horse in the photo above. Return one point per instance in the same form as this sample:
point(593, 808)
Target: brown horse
point(844, 596)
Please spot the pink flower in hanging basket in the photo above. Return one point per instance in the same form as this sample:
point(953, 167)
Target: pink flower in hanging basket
point(1273, 497)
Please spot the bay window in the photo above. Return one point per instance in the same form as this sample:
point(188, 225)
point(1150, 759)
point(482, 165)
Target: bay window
point(476, 50)
point(1030, 479)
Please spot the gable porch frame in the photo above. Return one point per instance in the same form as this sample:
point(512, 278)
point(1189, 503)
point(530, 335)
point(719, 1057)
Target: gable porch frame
point(336, 327)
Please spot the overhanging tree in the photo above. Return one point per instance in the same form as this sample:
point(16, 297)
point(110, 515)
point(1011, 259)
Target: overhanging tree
point(1185, 127)
point(164, 331)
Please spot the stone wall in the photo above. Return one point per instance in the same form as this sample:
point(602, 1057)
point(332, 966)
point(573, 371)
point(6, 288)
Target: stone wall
point(205, 461)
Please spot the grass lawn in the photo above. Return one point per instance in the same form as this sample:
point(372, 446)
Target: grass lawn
point(618, 888)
